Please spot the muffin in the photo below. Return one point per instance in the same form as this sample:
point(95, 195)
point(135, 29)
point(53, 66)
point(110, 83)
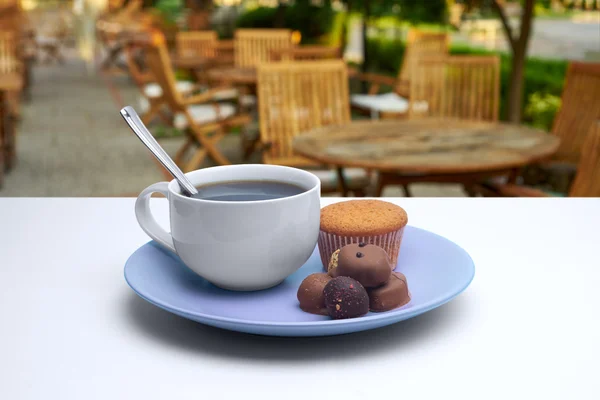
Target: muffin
point(361, 221)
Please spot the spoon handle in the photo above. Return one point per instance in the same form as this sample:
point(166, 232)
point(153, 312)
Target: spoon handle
point(138, 127)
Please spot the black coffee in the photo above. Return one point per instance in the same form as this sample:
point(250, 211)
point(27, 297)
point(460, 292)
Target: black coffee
point(247, 191)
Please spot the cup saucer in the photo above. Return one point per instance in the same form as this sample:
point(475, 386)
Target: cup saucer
point(437, 270)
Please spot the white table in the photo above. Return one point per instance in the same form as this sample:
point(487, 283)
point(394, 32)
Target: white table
point(528, 327)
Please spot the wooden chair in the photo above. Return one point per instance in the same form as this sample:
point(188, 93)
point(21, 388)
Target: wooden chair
point(15, 29)
point(11, 101)
point(580, 107)
point(151, 101)
point(254, 46)
point(394, 104)
point(294, 97)
point(224, 52)
point(587, 179)
point(53, 43)
point(465, 87)
point(115, 29)
point(204, 44)
point(420, 44)
point(9, 60)
point(306, 53)
point(111, 46)
point(20, 25)
point(196, 44)
point(205, 120)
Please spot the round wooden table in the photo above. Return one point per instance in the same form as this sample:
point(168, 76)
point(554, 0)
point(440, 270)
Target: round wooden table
point(191, 62)
point(245, 75)
point(234, 75)
point(427, 150)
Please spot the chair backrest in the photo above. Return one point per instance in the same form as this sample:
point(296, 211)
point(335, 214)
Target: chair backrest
point(157, 57)
point(196, 43)
point(254, 46)
point(9, 3)
point(587, 180)
point(12, 19)
point(224, 52)
point(579, 109)
point(306, 53)
point(466, 87)
point(8, 53)
point(422, 44)
point(294, 97)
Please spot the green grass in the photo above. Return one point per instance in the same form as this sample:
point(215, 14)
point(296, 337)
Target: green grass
point(393, 22)
point(546, 13)
point(556, 15)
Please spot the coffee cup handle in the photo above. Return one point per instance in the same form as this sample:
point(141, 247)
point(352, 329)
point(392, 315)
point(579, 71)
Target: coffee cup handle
point(146, 219)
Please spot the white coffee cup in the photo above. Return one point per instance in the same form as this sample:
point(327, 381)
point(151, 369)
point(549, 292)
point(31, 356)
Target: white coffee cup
point(239, 245)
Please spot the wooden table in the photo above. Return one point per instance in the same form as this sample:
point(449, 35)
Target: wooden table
point(10, 82)
point(244, 75)
point(428, 150)
point(197, 62)
point(307, 52)
point(234, 75)
point(191, 62)
point(196, 65)
point(199, 66)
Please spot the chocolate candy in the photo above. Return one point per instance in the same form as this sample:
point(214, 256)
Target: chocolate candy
point(310, 293)
point(367, 263)
point(391, 295)
point(345, 298)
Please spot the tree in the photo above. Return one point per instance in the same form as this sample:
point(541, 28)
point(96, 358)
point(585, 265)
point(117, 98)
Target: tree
point(518, 46)
point(280, 15)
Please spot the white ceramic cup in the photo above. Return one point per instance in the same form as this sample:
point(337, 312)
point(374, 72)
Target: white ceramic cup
point(239, 245)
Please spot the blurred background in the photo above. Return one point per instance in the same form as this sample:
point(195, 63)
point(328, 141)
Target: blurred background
point(68, 66)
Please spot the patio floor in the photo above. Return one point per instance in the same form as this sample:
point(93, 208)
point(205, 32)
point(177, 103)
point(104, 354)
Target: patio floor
point(72, 141)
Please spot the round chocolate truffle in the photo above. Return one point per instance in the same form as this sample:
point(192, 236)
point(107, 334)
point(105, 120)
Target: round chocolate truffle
point(367, 263)
point(310, 293)
point(345, 298)
point(391, 295)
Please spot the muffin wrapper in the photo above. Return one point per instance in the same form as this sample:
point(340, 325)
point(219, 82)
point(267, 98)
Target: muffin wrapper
point(329, 243)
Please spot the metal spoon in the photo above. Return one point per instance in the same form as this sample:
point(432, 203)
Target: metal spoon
point(138, 127)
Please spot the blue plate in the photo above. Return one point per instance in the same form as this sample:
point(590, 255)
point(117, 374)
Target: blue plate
point(436, 269)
